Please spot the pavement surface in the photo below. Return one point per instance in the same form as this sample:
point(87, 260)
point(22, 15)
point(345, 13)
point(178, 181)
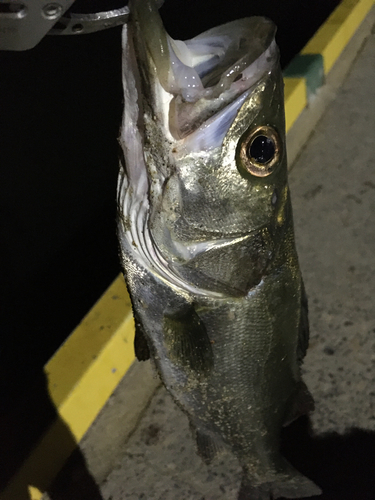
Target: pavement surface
point(333, 191)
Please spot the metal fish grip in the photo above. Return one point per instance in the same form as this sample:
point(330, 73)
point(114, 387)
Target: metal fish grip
point(23, 23)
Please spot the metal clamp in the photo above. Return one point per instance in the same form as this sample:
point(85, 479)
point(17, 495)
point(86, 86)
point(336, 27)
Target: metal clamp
point(23, 23)
point(79, 24)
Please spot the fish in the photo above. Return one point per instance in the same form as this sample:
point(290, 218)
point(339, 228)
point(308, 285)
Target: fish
point(206, 239)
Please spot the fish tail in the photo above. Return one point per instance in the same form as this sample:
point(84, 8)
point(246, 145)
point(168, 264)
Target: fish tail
point(291, 485)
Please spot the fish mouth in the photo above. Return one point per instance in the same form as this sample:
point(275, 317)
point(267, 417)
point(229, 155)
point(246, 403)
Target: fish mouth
point(192, 81)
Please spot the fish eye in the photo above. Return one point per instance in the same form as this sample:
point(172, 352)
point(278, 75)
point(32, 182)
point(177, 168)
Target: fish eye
point(261, 150)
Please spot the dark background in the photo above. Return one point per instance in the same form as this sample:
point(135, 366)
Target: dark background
point(60, 110)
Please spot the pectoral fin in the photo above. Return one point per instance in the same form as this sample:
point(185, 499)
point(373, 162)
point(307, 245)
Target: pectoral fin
point(187, 342)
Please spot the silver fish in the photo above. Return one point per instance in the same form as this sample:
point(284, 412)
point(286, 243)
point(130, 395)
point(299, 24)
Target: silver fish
point(206, 235)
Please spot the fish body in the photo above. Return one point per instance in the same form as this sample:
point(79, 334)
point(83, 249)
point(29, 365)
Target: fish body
point(206, 236)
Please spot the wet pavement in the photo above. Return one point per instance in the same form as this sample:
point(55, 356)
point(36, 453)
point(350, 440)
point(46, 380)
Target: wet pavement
point(333, 191)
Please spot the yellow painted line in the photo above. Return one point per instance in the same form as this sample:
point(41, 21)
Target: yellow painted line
point(295, 99)
point(81, 376)
point(335, 33)
point(110, 314)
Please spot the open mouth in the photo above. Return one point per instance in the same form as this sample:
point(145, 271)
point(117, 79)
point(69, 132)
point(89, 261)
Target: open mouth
point(206, 74)
point(212, 71)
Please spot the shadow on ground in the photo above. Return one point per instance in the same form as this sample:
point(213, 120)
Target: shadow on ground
point(22, 428)
point(342, 465)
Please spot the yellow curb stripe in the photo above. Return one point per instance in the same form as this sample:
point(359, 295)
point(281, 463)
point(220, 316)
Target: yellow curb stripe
point(295, 99)
point(332, 37)
point(81, 349)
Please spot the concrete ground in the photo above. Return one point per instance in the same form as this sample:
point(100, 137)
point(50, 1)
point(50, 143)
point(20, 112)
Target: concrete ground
point(333, 190)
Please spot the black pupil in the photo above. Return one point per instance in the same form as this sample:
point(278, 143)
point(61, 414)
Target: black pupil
point(262, 149)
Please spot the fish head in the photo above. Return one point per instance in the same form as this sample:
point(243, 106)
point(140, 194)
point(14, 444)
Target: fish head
point(203, 195)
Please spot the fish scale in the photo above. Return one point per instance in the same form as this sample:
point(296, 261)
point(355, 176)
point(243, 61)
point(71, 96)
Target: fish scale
point(206, 238)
